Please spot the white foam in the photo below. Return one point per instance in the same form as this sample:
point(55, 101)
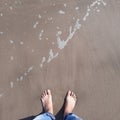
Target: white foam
point(35, 25)
point(43, 61)
point(1, 33)
point(77, 8)
point(98, 2)
point(11, 84)
point(21, 78)
point(98, 10)
point(11, 41)
point(6, 4)
point(65, 5)
point(94, 3)
point(1, 94)
point(88, 8)
point(40, 35)
point(1, 14)
point(86, 15)
point(51, 55)
point(30, 69)
point(41, 65)
point(46, 38)
point(21, 42)
point(39, 16)
point(59, 32)
point(62, 43)
point(93, 6)
point(45, 11)
point(33, 50)
point(11, 8)
point(11, 58)
point(40, 38)
point(25, 74)
point(104, 3)
point(50, 18)
point(18, 79)
point(53, 4)
point(58, 27)
point(61, 12)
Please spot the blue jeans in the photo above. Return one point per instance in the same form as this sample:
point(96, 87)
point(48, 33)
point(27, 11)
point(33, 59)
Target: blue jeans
point(49, 116)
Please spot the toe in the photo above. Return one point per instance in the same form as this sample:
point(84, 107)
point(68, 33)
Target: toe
point(69, 93)
point(75, 97)
point(72, 94)
point(45, 93)
point(48, 92)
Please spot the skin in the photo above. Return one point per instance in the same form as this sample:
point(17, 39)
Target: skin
point(70, 101)
point(46, 99)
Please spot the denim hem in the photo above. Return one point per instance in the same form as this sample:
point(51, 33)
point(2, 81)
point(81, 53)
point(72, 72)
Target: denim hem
point(69, 115)
point(50, 115)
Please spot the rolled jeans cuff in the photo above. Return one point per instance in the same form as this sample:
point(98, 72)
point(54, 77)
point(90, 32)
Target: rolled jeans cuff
point(72, 116)
point(50, 115)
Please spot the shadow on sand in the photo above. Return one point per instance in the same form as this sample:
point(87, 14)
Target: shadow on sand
point(58, 116)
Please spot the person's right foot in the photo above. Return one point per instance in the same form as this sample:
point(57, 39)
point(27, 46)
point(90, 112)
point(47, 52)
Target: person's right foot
point(46, 100)
point(70, 102)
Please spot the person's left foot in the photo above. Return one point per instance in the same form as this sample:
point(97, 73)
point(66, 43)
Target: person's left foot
point(46, 99)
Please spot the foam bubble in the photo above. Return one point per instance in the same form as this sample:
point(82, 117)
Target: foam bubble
point(11, 8)
point(1, 33)
point(35, 25)
point(51, 55)
point(33, 50)
point(30, 69)
point(21, 42)
point(1, 14)
point(53, 4)
point(11, 58)
point(11, 84)
point(58, 27)
point(50, 18)
point(61, 12)
point(1, 94)
point(46, 38)
point(76, 8)
point(11, 41)
point(40, 35)
point(39, 16)
point(43, 61)
point(21, 78)
point(65, 5)
point(86, 15)
point(62, 43)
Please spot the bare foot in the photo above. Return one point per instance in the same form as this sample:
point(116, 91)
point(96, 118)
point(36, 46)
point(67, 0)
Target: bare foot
point(46, 100)
point(70, 102)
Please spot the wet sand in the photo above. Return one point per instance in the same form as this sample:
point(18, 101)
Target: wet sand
point(60, 45)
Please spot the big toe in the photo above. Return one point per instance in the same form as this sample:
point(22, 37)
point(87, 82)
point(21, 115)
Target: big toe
point(69, 93)
point(48, 92)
